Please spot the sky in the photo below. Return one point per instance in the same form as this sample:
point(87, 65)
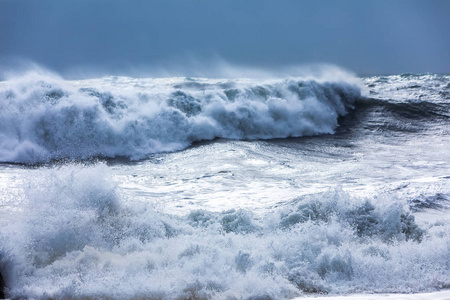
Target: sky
point(367, 37)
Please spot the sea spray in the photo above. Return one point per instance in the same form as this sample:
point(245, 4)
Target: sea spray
point(78, 236)
point(44, 117)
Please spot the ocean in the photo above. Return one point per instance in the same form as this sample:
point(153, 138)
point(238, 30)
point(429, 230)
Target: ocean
point(224, 188)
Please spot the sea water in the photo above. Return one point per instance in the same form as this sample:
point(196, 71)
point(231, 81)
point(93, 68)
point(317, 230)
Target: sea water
point(235, 188)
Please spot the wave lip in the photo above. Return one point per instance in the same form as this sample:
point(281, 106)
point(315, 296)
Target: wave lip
point(45, 117)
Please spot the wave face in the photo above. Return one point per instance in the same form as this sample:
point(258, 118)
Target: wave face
point(43, 117)
point(77, 236)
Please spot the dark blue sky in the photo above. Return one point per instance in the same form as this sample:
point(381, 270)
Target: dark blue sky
point(367, 37)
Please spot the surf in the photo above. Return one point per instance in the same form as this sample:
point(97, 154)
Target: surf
point(45, 117)
point(76, 234)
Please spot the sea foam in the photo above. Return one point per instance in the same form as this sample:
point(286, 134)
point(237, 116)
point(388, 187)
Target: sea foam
point(44, 117)
point(78, 236)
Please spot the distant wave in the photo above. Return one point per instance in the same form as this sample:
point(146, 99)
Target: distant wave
point(44, 117)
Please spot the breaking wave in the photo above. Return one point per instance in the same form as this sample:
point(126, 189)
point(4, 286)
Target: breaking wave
point(44, 117)
point(76, 235)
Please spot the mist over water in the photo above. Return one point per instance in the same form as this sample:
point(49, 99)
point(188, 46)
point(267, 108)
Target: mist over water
point(369, 37)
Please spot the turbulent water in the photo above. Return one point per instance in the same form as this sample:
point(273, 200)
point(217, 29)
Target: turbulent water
point(195, 188)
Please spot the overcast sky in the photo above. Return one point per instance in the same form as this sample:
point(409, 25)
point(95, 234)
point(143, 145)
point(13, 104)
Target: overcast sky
point(364, 36)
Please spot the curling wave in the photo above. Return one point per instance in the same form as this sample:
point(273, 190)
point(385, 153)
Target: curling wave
point(43, 117)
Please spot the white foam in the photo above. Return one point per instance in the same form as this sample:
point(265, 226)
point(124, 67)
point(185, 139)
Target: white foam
point(44, 117)
point(441, 295)
point(78, 236)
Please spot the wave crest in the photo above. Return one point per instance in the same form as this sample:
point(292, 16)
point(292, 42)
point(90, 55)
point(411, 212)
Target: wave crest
point(45, 117)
